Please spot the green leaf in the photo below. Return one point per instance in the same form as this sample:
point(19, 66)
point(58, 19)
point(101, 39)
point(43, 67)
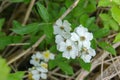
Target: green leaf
point(16, 76)
point(65, 67)
point(107, 47)
point(117, 38)
point(83, 19)
point(26, 29)
point(116, 1)
point(115, 10)
point(48, 30)
point(4, 41)
point(114, 25)
point(1, 23)
point(104, 3)
point(84, 65)
point(101, 33)
point(16, 1)
point(42, 12)
point(93, 44)
point(16, 24)
point(52, 64)
point(4, 69)
point(109, 22)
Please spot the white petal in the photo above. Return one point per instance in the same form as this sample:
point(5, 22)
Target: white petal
point(66, 55)
point(91, 52)
point(41, 69)
point(59, 22)
point(39, 55)
point(43, 76)
point(59, 39)
point(86, 58)
point(62, 46)
point(66, 35)
point(86, 44)
point(52, 56)
point(57, 30)
point(74, 37)
point(89, 36)
point(36, 77)
point(67, 25)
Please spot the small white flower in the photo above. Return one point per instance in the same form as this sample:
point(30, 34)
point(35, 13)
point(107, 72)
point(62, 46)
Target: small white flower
point(36, 74)
point(62, 28)
point(36, 59)
point(82, 36)
point(47, 55)
point(87, 54)
point(69, 49)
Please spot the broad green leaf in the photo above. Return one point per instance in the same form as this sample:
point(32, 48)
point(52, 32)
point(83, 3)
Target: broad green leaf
point(104, 17)
point(4, 69)
point(52, 64)
point(65, 67)
point(114, 25)
point(16, 76)
point(83, 19)
point(84, 65)
point(93, 44)
point(42, 12)
point(1, 23)
point(115, 10)
point(109, 22)
point(104, 3)
point(101, 33)
point(117, 38)
point(107, 47)
point(48, 30)
point(16, 0)
point(16, 24)
point(116, 1)
point(26, 29)
point(6, 40)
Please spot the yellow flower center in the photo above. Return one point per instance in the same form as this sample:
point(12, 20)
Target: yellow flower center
point(30, 76)
point(46, 54)
point(44, 65)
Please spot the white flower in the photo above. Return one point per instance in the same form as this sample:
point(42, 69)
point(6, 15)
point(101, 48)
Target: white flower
point(82, 36)
point(35, 74)
point(62, 28)
point(47, 55)
point(36, 59)
point(87, 54)
point(69, 49)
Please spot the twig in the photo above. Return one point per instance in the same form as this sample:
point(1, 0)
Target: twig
point(28, 12)
point(110, 71)
point(19, 44)
point(25, 52)
point(69, 9)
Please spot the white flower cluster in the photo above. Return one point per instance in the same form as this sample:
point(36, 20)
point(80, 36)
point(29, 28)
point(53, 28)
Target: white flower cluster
point(40, 65)
point(73, 44)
